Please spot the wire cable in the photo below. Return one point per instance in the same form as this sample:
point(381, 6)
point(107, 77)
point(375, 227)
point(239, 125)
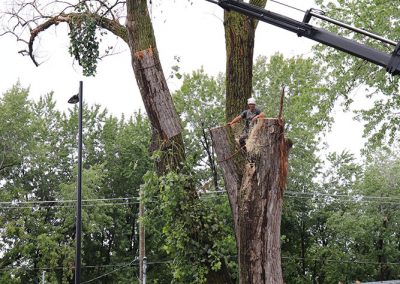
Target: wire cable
point(67, 206)
point(287, 5)
point(108, 273)
point(389, 200)
point(64, 201)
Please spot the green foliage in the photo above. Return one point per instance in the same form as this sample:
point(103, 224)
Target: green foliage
point(14, 135)
point(84, 42)
point(39, 233)
point(348, 74)
point(366, 232)
point(200, 102)
point(340, 222)
point(189, 222)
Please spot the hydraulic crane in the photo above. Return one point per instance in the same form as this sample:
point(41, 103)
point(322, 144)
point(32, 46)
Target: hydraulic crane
point(303, 29)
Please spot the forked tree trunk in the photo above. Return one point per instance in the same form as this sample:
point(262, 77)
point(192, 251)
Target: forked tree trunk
point(255, 181)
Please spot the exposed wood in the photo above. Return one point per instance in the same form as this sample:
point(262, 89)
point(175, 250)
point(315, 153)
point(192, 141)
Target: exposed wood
point(281, 104)
point(255, 190)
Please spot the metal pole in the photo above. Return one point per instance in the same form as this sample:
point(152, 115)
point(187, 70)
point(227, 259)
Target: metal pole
point(358, 30)
point(43, 279)
point(144, 269)
point(142, 250)
point(79, 192)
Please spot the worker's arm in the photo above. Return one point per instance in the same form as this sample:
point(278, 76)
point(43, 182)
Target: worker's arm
point(261, 115)
point(236, 119)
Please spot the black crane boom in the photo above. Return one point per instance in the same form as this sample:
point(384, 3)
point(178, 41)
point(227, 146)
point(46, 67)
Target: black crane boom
point(390, 61)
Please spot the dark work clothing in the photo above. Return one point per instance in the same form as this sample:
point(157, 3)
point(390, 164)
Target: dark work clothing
point(247, 115)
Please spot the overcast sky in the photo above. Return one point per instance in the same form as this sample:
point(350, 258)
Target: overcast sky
point(192, 32)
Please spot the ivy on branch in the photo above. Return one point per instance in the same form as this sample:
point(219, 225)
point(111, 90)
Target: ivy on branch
point(84, 44)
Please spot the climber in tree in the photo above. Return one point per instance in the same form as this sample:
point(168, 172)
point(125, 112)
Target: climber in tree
point(250, 116)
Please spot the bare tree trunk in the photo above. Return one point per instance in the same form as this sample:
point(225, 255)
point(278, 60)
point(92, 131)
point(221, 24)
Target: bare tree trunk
point(167, 132)
point(239, 41)
point(153, 87)
point(255, 191)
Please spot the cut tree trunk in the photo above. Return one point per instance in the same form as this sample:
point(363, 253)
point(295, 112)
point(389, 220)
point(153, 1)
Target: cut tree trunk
point(255, 179)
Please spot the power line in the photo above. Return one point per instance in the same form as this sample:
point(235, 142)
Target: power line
point(67, 206)
point(132, 263)
point(389, 200)
point(63, 267)
point(65, 201)
point(340, 261)
point(118, 265)
point(108, 273)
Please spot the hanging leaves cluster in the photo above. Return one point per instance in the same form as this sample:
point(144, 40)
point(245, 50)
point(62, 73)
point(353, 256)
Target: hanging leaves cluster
point(187, 225)
point(84, 44)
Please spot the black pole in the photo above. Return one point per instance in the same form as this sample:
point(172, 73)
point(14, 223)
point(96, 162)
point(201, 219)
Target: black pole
point(79, 192)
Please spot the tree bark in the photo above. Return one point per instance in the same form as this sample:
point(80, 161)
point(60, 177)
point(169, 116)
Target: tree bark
point(255, 190)
point(167, 131)
point(239, 42)
point(153, 88)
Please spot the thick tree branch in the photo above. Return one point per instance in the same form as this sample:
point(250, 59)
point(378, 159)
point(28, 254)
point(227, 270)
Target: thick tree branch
point(105, 23)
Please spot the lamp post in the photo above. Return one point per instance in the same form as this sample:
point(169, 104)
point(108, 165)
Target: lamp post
point(73, 100)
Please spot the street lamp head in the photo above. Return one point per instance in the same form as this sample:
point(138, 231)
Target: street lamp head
point(74, 99)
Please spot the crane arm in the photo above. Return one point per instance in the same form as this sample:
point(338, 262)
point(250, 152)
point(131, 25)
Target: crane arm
point(303, 29)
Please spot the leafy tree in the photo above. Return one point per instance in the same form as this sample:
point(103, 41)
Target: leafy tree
point(328, 250)
point(14, 135)
point(39, 233)
point(348, 73)
point(200, 103)
point(378, 217)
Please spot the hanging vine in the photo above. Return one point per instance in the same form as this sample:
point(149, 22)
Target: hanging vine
point(84, 44)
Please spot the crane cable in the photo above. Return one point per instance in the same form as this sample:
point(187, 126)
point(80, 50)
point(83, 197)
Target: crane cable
point(287, 5)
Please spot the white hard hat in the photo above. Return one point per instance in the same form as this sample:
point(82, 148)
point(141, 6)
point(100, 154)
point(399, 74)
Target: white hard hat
point(251, 101)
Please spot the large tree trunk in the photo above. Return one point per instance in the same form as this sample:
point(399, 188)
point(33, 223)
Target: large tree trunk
point(167, 136)
point(153, 88)
point(255, 181)
point(239, 42)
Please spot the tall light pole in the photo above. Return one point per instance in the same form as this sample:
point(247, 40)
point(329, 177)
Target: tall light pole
point(73, 100)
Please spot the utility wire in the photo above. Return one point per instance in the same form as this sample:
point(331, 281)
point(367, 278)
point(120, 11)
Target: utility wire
point(339, 261)
point(64, 201)
point(118, 265)
point(123, 265)
point(105, 274)
point(391, 200)
point(211, 195)
point(67, 206)
point(62, 267)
